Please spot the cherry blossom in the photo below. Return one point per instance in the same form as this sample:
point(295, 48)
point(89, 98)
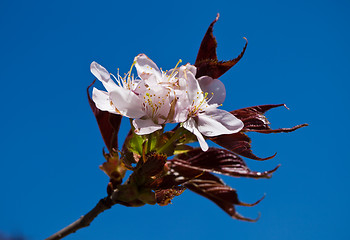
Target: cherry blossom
point(203, 117)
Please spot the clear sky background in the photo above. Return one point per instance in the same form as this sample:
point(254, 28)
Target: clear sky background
point(50, 150)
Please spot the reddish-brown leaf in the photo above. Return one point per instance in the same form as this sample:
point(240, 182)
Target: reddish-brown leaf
point(220, 161)
point(207, 62)
point(107, 122)
point(164, 196)
point(213, 188)
point(153, 165)
point(177, 175)
point(281, 130)
point(238, 143)
point(255, 121)
point(200, 182)
point(207, 50)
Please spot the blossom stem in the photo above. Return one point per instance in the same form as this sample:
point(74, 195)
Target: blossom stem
point(149, 140)
point(175, 137)
point(85, 220)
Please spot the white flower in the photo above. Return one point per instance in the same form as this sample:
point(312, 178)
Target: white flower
point(202, 117)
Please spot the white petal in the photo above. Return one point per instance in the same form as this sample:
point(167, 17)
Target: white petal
point(127, 103)
point(190, 125)
point(217, 122)
point(141, 87)
point(191, 68)
point(146, 67)
point(103, 75)
point(194, 91)
point(181, 107)
point(179, 72)
point(146, 126)
point(102, 101)
point(213, 87)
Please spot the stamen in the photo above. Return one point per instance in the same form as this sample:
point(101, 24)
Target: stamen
point(129, 73)
point(180, 61)
point(209, 99)
point(116, 79)
point(132, 65)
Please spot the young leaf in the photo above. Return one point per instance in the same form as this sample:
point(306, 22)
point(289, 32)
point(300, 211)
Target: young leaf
point(213, 188)
point(164, 196)
point(238, 143)
point(255, 121)
point(220, 161)
point(207, 62)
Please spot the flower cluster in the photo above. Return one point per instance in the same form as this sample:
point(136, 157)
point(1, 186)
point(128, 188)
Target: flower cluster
point(157, 97)
point(163, 165)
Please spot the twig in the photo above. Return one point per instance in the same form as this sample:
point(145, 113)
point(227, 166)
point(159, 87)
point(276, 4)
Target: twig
point(85, 220)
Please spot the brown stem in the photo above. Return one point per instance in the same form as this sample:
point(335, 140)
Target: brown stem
point(85, 220)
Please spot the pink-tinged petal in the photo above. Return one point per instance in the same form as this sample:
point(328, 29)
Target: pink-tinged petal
point(215, 89)
point(181, 109)
point(146, 67)
point(127, 103)
point(180, 71)
point(191, 126)
point(216, 122)
point(102, 101)
point(103, 75)
point(146, 126)
point(191, 68)
point(194, 91)
point(185, 68)
point(100, 72)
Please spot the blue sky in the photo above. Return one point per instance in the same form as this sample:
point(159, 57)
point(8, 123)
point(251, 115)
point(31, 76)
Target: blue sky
point(298, 54)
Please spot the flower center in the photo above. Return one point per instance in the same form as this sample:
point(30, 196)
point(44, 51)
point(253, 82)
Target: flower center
point(128, 81)
point(159, 96)
point(199, 103)
point(156, 102)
